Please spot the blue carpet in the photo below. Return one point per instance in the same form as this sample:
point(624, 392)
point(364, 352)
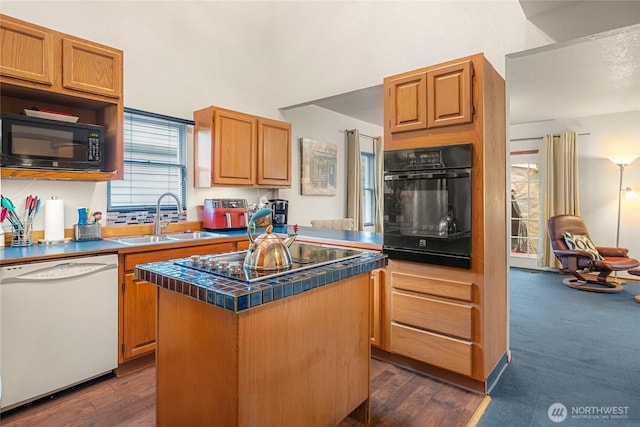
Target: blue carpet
point(580, 349)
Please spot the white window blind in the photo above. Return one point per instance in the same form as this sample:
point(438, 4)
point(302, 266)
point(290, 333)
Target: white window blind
point(154, 162)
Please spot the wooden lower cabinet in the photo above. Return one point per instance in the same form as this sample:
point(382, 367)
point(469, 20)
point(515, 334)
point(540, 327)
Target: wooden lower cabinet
point(434, 317)
point(137, 302)
point(444, 317)
point(436, 349)
point(242, 245)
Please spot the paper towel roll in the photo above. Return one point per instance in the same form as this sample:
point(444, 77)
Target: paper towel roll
point(54, 220)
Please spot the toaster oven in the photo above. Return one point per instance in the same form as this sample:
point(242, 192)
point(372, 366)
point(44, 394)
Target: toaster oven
point(225, 214)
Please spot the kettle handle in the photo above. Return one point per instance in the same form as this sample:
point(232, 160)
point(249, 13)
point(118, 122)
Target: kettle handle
point(260, 213)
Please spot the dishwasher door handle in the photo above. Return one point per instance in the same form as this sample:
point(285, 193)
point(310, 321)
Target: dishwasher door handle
point(63, 271)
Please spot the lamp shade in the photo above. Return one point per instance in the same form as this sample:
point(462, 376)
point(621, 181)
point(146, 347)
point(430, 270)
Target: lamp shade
point(623, 159)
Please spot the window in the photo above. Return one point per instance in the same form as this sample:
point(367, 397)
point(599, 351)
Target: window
point(368, 184)
point(524, 208)
point(154, 162)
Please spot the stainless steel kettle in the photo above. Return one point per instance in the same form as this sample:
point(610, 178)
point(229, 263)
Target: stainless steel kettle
point(267, 251)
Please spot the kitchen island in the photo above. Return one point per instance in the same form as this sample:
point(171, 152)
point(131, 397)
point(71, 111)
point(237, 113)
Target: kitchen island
point(292, 350)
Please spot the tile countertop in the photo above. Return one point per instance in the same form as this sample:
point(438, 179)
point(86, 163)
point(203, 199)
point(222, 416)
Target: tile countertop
point(362, 239)
point(39, 252)
point(239, 296)
point(357, 239)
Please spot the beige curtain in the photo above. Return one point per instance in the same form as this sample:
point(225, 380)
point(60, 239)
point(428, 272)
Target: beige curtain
point(354, 190)
point(558, 171)
point(379, 155)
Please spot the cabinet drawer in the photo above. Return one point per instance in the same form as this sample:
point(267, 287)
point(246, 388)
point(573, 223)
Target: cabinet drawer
point(152, 256)
point(433, 286)
point(448, 353)
point(439, 316)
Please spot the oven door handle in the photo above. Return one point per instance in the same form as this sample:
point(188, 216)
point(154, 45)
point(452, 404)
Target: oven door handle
point(461, 173)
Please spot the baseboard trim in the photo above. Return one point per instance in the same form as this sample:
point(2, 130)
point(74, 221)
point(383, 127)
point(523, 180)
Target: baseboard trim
point(496, 372)
point(479, 411)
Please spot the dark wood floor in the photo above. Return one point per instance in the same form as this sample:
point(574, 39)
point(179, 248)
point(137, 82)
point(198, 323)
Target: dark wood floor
point(399, 398)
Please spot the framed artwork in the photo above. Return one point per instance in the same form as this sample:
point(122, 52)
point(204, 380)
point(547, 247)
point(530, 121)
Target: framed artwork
point(319, 162)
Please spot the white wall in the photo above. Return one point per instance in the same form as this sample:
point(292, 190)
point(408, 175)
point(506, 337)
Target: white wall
point(329, 48)
point(257, 57)
point(599, 178)
point(606, 135)
point(322, 125)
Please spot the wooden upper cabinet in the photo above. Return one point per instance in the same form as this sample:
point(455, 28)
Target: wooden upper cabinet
point(274, 153)
point(449, 96)
point(238, 149)
point(91, 68)
point(233, 148)
point(44, 68)
point(409, 102)
point(430, 97)
point(26, 52)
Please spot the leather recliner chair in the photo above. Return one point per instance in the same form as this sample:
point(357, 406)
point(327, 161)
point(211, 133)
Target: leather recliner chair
point(572, 246)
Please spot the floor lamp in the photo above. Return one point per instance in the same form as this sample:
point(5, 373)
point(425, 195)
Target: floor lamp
point(622, 162)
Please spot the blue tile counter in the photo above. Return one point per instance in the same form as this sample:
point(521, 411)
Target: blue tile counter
point(357, 239)
point(238, 296)
point(37, 252)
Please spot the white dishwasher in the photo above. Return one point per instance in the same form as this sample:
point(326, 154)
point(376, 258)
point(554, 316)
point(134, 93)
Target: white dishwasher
point(59, 325)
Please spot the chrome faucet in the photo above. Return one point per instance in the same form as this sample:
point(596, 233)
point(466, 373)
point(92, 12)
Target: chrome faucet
point(158, 225)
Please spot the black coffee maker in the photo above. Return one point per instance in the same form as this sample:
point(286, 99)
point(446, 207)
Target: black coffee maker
point(280, 210)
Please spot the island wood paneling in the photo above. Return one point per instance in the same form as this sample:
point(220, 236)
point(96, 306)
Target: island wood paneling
point(302, 360)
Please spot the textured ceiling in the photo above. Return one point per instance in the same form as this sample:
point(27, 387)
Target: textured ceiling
point(587, 76)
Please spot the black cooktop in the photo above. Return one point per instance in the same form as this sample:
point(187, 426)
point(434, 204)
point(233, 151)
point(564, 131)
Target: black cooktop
point(229, 264)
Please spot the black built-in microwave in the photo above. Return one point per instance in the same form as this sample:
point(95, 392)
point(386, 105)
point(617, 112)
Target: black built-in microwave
point(36, 143)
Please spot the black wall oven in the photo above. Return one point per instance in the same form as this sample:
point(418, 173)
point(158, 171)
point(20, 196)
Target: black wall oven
point(427, 205)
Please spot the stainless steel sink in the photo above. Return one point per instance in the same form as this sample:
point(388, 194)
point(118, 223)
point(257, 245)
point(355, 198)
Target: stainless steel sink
point(152, 239)
point(140, 240)
point(193, 235)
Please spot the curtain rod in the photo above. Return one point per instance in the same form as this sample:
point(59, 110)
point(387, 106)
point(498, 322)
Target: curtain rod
point(362, 134)
point(541, 137)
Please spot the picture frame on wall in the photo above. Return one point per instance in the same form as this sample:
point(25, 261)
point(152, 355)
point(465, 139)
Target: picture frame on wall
point(319, 167)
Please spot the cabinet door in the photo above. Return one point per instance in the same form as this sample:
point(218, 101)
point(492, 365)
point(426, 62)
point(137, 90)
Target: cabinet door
point(91, 68)
point(27, 52)
point(234, 148)
point(139, 298)
point(449, 95)
point(408, 98)
point(274, 153)
point(140, 311)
